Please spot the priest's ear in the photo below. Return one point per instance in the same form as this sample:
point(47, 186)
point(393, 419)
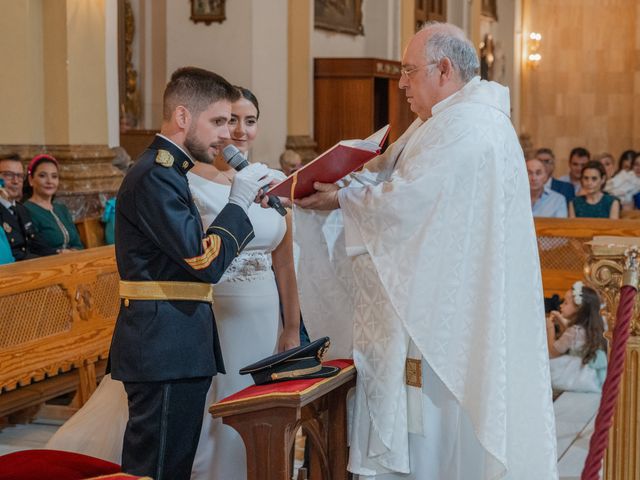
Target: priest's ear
point(447, 72)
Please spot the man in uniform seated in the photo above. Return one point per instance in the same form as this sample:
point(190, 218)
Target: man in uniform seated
point(16, 221)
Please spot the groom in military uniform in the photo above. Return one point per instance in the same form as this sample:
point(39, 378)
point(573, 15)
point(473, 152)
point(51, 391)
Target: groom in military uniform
point(165, 345)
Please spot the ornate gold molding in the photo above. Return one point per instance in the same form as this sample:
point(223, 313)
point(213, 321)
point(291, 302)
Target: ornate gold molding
point(607, 270)
point(130, 108)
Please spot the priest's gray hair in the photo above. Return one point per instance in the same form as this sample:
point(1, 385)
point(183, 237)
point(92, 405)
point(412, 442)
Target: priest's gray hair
point(447, 40)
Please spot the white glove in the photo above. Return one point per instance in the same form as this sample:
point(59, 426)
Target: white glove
point(276, 175)
point(246, 185)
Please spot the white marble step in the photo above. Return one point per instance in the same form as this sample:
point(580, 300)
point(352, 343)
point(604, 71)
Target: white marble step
point(575, 413)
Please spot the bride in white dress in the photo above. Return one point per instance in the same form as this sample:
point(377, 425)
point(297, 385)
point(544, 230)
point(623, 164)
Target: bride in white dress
point(247, 313)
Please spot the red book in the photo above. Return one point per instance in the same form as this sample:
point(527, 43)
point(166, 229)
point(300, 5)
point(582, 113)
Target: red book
point(343, 158)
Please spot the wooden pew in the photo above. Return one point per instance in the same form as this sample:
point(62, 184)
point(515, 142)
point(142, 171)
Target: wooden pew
point(561, 247)
point(91, 231)
point(57, 316)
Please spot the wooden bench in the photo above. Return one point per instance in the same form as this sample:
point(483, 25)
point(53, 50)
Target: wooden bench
point(91, 231)
point(57, 316)
point(561, 247)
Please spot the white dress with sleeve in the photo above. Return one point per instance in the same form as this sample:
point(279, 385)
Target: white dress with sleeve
point(568, 373)
point(247, 313)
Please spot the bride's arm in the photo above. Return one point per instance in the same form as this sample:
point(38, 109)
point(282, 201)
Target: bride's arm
point(285, 274)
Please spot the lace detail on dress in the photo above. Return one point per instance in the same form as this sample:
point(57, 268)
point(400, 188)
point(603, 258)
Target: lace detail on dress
point(250, 265)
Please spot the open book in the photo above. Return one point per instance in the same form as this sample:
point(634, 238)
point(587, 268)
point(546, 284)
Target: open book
point(343, 158)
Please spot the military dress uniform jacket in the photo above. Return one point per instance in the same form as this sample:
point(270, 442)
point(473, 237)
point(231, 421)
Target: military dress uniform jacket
point(159, 237)
point(21, 234)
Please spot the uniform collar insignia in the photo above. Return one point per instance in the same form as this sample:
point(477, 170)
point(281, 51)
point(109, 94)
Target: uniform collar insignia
point(164, 158)
point(179, 158)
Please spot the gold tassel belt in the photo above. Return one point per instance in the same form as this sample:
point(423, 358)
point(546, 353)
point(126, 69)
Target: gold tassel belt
point(150, 290)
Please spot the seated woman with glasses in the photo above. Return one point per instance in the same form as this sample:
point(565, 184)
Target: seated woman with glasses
point(51, 219)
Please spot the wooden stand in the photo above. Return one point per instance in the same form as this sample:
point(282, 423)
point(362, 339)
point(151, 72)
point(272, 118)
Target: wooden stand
point(354, 97)
point(268, 424)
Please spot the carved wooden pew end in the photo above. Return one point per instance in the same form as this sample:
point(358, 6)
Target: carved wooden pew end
point(57, 316)
point(267, 418)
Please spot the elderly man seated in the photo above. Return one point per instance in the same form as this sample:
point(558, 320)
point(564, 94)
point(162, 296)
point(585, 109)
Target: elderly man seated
point(544, 201)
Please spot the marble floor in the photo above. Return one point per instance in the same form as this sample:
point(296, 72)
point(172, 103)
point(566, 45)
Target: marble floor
point(574, 412)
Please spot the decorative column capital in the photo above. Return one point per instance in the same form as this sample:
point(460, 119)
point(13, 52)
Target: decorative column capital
point(612, 263)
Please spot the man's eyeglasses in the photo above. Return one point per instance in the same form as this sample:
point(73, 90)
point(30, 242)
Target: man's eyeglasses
point(408, 71)
point(12, 175)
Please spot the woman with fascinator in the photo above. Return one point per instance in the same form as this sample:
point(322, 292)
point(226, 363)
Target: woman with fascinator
point(52, 220)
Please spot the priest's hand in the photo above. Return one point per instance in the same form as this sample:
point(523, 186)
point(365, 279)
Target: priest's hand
point(325, 198)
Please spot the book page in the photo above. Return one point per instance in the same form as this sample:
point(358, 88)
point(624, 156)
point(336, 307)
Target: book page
point(372, 143)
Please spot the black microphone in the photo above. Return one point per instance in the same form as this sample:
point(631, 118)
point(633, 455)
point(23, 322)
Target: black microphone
point(236, 160)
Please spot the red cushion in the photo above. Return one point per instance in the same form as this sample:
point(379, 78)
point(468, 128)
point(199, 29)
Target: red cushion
point(286, 387)
point(118, 476)
point(54, 464)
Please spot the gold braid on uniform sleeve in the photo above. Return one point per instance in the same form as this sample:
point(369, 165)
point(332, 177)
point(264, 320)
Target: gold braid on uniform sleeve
point(211, 249)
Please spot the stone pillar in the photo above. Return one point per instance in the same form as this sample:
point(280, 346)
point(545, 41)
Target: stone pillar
point(56, 88)
point(299, 78)
point(604, 271)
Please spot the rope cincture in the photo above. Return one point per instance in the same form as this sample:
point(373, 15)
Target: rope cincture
point(611, 388)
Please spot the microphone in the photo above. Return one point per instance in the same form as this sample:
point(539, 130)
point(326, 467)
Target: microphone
point(236, 160)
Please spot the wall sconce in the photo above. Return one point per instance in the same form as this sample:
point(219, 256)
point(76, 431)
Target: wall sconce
point(533, 44)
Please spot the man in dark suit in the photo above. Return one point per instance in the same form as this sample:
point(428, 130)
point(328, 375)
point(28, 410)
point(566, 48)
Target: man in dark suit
point(165, 345)
point(548, 159)
point(14, 217)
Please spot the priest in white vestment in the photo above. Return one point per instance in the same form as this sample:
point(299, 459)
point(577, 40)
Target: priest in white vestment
point(431, 253)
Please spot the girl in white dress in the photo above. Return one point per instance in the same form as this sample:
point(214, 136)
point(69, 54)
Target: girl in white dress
point(247, 313)
point(578, 359)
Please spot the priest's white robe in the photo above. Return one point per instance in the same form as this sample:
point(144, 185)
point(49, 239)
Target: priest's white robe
point(445, 264)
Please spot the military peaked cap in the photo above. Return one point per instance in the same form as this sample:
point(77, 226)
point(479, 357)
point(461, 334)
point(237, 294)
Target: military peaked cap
point(294, 364)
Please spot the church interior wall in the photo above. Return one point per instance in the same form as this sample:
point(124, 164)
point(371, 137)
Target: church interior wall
point(21, 85)
point(381, 25)
point(582, 93)
point(249, 49)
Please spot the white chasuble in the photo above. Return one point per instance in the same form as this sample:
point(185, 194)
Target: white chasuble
point(447, 228)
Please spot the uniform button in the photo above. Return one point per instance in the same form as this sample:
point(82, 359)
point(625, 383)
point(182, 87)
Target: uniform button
point(23, 249)
point(12, 240)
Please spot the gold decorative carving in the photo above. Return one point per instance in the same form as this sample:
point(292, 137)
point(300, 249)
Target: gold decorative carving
point(84, 303)
point(130, 107)
point(607, 269)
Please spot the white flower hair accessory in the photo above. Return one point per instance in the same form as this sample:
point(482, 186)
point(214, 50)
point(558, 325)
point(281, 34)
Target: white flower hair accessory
point(577, 293)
